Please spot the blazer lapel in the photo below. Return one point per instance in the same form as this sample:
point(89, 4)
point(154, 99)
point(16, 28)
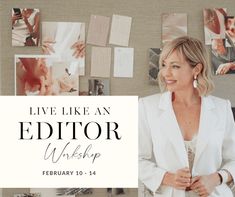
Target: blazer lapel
point(207, 120)
point(169, 125)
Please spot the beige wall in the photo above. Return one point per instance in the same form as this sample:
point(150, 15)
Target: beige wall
point(145, 33)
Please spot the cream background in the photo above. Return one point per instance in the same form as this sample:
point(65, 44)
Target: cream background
point(145, 33)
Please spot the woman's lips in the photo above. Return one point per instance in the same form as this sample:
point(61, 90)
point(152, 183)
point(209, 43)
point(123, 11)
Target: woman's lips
point(170, 81)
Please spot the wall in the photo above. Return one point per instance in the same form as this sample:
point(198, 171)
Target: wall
point(145, 33)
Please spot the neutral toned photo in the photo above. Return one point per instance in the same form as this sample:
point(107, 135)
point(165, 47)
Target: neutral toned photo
point(66, 41)
point(25, 27)
point(44, 75)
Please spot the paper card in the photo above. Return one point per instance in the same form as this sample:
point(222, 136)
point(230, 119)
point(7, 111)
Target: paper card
point(174, 25)
point(98, 87)
point(65, 40)
point(123, 62)
point(100, 61)
point(120, 30)
point(214, 26)
point(98, 30)
point(21, 36)
point(45, 75)
point(154, 54)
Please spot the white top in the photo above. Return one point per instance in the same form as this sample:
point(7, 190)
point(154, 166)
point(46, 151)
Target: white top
point(191, 150)
point(20, 30)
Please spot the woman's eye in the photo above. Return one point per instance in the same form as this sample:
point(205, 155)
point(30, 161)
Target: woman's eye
point(175, 66)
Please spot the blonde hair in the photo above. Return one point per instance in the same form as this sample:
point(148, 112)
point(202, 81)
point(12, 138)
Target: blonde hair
point(194, 53)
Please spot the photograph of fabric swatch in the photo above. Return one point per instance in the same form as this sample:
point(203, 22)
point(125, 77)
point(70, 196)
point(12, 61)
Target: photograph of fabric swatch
point(45, 75)
point(120, 30)
point(66, 41)
point(98, 30)
point(174, 25)
point(98, 87)
point(214, 24)
point(123, 62)
point(100, 61)
point(22, 34)
point(154, 54)
point(222, 57)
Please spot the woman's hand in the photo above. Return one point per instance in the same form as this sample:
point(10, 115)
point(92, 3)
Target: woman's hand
point(79, 49)
point(14, 18)
point(205, 185)
point(224, 68)
point(47, 46)
point(179, 180)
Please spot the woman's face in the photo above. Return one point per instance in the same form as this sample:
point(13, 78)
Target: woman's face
point(231, 26)
point(218, 46)
point(177, 73)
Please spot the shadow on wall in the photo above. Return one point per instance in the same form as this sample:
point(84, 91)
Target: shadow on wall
point(233, 109)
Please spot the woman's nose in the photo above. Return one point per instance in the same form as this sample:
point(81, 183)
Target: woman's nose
point(166, 72)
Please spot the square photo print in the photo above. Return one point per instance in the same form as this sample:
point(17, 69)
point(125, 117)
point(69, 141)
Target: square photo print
point(25, 27)
point(45, 75)
point(222, 57)
point(214, 24)
point(154, 54)
point(66, 41)
point(98, 87)
point(27, 195)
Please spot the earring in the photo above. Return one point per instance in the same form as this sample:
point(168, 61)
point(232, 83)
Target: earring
point(195, 82)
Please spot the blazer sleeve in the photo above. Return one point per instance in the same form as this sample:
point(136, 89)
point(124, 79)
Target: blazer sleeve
point(229, 143)
point(149, 173)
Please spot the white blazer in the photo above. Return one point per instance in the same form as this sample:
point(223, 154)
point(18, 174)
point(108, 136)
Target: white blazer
point(162, 149)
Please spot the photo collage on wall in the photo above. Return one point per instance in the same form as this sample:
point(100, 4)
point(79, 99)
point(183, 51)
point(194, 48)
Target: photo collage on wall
point(63, 45)
point(219, 32)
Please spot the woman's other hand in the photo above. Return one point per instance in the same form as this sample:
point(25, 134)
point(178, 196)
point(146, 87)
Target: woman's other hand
point(79, 49)
point(179, 180)
point(47, 46)
point(224, 68)
point(205, 185)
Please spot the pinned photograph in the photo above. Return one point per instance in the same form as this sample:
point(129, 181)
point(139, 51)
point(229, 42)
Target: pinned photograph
point(99, 87)
point(230, 30)
point(154, 54)
point(28, 195)
point(222, 57)
point(174, 25)
point(69, 192)
point(214, 24)
point(25, 27)
point(66, 41)
point(45, 75)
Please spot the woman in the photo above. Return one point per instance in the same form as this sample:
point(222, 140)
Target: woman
point(25, 27)
point(187, 138)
